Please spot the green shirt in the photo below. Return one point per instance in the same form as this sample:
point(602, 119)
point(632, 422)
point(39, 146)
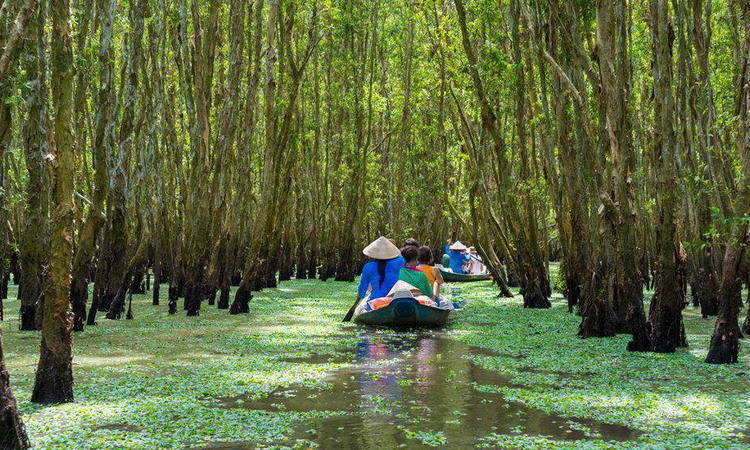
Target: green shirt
point(416, 278)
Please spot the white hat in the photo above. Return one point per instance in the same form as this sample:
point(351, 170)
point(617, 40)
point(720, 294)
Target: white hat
point(381, 248)
point(457, 246)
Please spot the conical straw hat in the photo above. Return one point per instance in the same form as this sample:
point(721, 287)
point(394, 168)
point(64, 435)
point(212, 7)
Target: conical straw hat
point(457, 246)
point(381, 248)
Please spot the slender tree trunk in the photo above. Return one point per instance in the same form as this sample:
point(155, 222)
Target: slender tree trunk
point(114, 254)
point(13, 435)
point(157, 274)
point(34, 236)
point(527, 236)
point(572, 142)
point(54, 375)
point(621, 282)
point(102, 145)
point(263, 254)
point(746, 323)
point(724, 346)
point(666, 307)
point(700, 135)
point(6, 131)
point(137, 260)
point(200, 200)
point(13, 39)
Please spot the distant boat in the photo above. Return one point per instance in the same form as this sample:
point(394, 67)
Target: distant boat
point(453, 276)
point(404, 312)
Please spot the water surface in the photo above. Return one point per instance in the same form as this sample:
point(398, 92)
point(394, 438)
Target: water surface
point(406, 388)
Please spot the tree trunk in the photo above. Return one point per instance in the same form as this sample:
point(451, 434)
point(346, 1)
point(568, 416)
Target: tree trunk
point(138, 285)
point(54, 375)
point(724, 347)
point(136, 262)
point(746, 323)
point(665, 315)
point(113, 254)
point(597, 315)
point(529, 254)
point(624, 285)
point(13, 435)
point(12, 432)
point(157, 275)
point(102, 144)
point(227, 273)
point(12, 42)
point(35, 235)
point(704, 284)
point(81, 266)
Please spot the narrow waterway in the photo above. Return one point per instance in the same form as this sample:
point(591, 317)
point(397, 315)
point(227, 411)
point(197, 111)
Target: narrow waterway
point(409, 389)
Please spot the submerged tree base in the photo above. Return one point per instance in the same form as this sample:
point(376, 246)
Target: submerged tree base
point(535, 294)
point(725, 344)
point(641, 341)
point(54, 379)
point(241, 304)
point(28, 315)
point(12, 431)
point(597, 319)
point(223, 298)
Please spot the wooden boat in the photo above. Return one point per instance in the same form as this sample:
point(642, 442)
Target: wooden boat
point(404, 312)
point(459, 277)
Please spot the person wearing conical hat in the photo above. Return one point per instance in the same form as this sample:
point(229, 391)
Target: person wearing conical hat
point(458, 257)
point(447, 247)
point(380, 274)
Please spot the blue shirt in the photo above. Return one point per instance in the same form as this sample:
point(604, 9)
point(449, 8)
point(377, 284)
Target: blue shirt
point(457, 261)
point(447, 249)
point(371, 277)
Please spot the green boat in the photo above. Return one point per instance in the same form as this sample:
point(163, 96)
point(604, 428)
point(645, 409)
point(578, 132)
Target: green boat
point(460, 277)
point(404, 312)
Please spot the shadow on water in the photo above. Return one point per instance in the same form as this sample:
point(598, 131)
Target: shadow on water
point(406, 383)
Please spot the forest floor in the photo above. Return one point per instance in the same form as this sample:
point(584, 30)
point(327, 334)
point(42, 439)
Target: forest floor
point(291, 374)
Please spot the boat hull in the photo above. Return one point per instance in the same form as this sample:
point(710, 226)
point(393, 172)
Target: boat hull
point(462, 277)
point(404, 312)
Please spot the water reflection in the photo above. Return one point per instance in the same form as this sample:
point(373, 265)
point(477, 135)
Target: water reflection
point(404, 386)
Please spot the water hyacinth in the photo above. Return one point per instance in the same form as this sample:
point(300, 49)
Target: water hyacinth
point(160, 381)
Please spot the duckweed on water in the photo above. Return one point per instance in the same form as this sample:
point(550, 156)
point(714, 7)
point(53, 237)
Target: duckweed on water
point(157, 381)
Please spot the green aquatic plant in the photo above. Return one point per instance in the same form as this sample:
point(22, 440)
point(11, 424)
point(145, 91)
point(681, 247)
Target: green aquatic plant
point(159, 381)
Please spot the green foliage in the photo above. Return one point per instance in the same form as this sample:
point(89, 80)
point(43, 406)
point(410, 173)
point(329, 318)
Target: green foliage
point(558, 282)
point(721, 229)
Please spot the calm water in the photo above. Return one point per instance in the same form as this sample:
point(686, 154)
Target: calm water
point(407, 383)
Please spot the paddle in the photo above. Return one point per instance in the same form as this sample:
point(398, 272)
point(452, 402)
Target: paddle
point(349, 314)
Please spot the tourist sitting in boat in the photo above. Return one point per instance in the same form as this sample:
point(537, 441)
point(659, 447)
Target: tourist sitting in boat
point(447, 247)
point(380, 274)
point(412, 275)
point(431, 272)
point(475, 265)
point(409, 242)
point(458, 257)
point(411, 283)
point(446, 258)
